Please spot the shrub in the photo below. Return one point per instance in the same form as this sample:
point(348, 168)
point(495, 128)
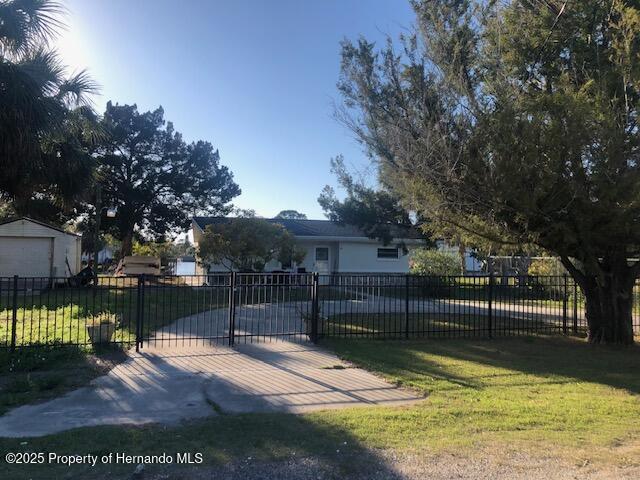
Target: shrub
point(545, 267)
point(104, 318)
point(434, 262)
point(547, 273)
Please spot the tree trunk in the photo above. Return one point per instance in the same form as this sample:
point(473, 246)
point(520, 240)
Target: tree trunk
point(127, 245)
point(608, 289)
point(462, 253)
point(608, 310)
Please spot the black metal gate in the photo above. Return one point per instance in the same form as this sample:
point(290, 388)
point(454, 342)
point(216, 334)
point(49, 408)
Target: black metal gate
point(226, 309)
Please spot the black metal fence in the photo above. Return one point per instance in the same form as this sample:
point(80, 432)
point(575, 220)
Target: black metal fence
point(236, 308)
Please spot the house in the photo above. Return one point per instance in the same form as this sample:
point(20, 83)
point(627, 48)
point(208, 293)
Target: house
point(105, 255)
point(30, 248)
point(471, 263)
point(186, 265)
point(331, 247)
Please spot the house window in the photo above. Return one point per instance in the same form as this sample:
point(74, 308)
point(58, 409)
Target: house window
point(322, 254)
point(388, 253)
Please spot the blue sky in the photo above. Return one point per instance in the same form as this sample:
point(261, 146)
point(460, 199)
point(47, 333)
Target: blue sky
point(255, 78)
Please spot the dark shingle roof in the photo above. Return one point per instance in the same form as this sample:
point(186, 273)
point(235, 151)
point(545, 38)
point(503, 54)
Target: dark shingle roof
point(314, 228)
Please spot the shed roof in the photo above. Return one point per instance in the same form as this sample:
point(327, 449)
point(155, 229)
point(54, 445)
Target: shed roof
point(38, 222)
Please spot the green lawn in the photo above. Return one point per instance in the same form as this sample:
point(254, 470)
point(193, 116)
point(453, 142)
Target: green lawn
point(450, 323)
point(560, 391)
point(42, 373)
point(60, 315)
point(555, 396)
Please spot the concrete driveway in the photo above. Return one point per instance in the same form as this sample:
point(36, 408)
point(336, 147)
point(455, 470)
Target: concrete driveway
point(169, 385)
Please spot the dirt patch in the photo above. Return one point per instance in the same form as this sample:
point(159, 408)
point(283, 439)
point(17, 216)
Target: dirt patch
point(106, 360)
point(389, 465)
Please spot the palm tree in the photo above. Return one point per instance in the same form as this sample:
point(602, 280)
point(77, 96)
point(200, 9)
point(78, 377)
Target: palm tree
point(47, 124)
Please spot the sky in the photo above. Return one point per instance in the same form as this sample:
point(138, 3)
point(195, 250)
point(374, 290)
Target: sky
point(255, 78)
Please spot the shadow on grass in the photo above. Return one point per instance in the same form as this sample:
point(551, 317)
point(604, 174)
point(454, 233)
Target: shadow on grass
point(231, 444)
point(560, 359)
point(42, 372)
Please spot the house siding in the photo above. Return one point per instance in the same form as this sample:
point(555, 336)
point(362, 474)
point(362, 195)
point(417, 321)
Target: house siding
point(363, 257)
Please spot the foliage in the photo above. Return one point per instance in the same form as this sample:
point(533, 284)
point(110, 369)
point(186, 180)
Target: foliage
point(156, 180)
point(47, 126)
point(244, 213)
point(163, 249)
point(103, 318)
point(291, 214)
point(248, 244)
point(378, 212)
point(517, 122)
point(105, 240)
point(546, 267)
point(40, 373)
point(425, 261)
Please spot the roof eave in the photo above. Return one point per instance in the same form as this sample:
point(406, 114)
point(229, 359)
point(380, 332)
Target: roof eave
point(336, 238)
point(38, 222)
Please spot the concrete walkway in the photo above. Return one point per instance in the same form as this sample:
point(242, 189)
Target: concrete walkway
point(168, 385)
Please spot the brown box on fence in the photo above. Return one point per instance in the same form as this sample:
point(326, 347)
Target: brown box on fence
point(138, 265)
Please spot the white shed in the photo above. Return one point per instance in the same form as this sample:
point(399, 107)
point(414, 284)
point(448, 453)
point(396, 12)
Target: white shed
point(30, 248)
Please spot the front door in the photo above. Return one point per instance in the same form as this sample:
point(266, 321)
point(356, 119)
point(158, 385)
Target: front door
point(322, 260)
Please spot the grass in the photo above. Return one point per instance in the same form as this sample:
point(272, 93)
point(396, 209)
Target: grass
point(558, 391)
point(450, 323)
point(558, 395)
point(42, 373)
point(60, 315)
point(540, 292)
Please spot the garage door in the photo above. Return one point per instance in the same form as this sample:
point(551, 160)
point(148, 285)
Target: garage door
point(25, 256)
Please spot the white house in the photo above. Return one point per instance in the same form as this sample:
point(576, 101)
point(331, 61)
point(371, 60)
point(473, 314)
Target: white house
point(30, 248)
point(331, 247)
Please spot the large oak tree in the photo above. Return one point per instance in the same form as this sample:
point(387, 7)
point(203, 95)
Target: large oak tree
point(516, 120)
point(156, 180)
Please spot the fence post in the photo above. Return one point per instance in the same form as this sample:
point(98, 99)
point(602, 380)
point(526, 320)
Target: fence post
point(564, 305)
point(406, 306)
point(315, 310)
point(14, 313)
point(138, 316)
point(232, 309)
point(142, 290)
point(139, 311)
point(575, 308)
point(490, 315)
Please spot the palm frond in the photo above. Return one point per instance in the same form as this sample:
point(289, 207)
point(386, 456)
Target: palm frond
point(47, 125)
point(26, 23)
point(44, 69)
point(77, 89)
